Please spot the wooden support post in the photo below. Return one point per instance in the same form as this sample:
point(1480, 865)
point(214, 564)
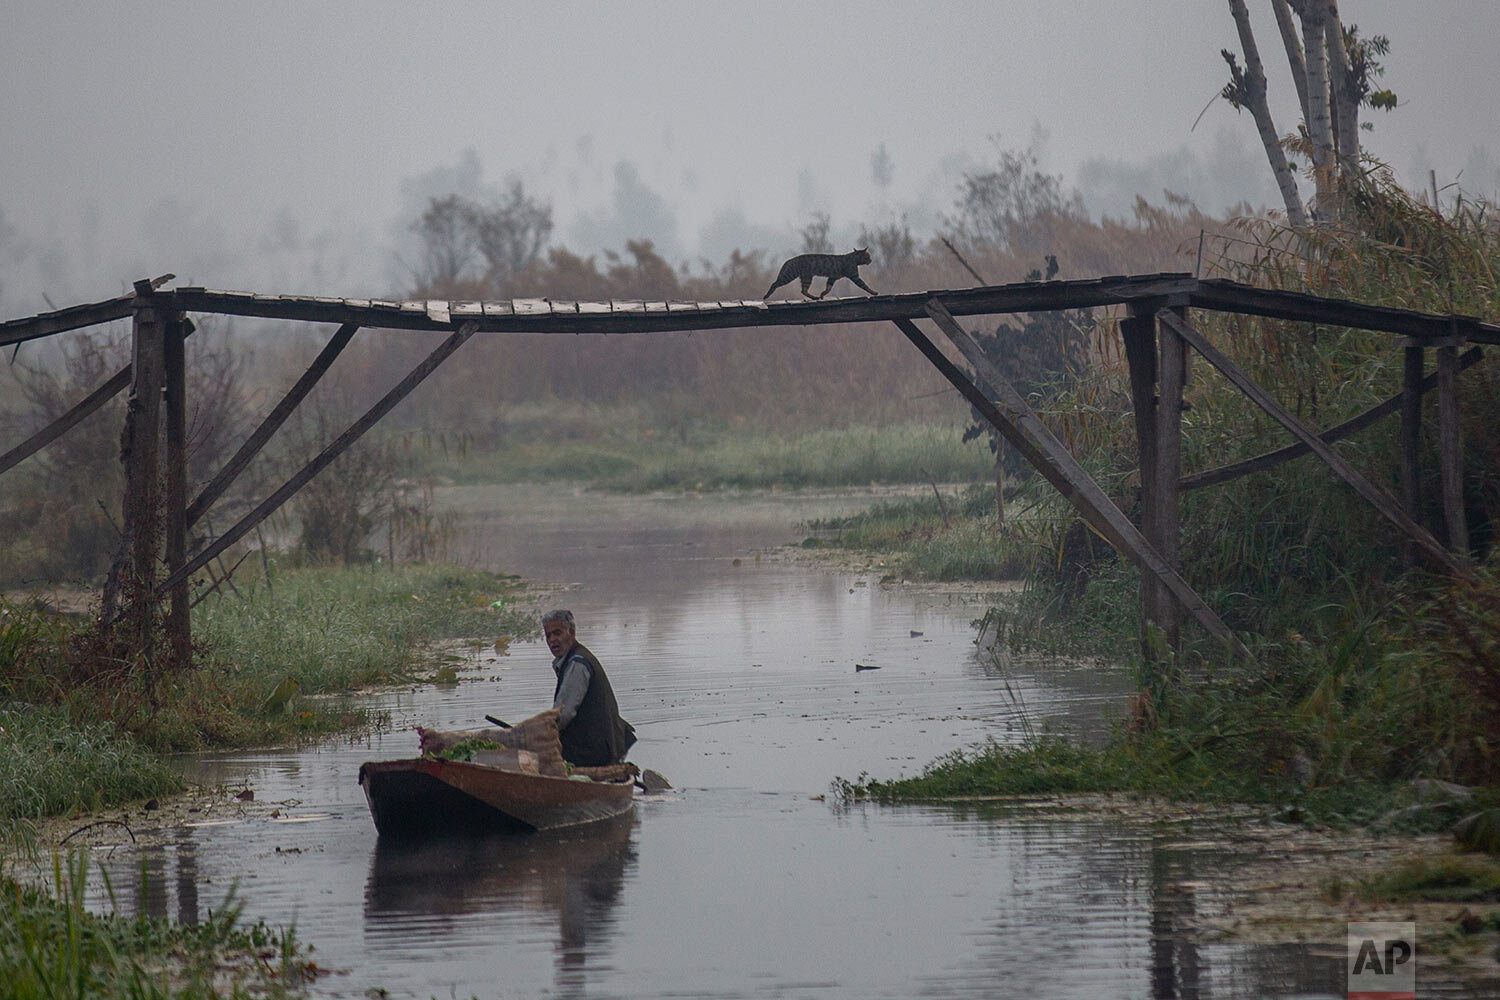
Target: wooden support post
point(355, 431)
point(139, 452)
point(1451, 450)
point(1341, 467)
point(999, 483)
point(1411, 439)
point(1010, 414)
point(1165, 533)
point(174, 354)
point(283, 409)
point(1138, 330)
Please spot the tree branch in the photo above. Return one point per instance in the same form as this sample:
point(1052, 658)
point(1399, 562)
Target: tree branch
point(1249, 89)
point(1345, 96)
point(1293, 44)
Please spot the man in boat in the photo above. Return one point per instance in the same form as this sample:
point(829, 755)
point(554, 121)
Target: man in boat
point(589, 723)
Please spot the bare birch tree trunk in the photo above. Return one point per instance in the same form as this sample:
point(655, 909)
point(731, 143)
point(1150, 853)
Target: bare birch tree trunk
point(1345, 100)
point(1255, 100)
point(1319, 119)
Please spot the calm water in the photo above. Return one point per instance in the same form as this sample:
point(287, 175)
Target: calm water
point(740, 680)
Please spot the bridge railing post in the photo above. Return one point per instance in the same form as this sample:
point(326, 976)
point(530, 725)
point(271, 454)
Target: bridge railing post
point(1451, 448)
point(139, 451)
point(1166, 533)
point(1158, 363)
point(174, 353)
point(1412, 363)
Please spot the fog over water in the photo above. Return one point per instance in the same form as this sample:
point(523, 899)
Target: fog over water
point(283, 146)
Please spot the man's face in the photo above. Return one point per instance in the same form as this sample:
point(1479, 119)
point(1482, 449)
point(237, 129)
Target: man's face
point(559, 637)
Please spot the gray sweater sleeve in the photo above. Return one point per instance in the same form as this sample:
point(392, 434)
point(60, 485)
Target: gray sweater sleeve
point(575, 684)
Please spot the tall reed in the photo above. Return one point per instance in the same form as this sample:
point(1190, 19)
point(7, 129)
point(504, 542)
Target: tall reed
point(53, 948)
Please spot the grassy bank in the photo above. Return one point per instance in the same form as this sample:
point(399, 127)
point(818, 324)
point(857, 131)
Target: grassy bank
point(632, 451)
point(333, 631)
point(945, 534)
point(51, 947)
point(52, 765)
point(81, 731)
point(1370, 681)
point(1356, 720)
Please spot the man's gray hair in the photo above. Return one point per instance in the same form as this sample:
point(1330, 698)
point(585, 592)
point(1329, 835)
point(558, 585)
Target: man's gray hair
point(559, 615)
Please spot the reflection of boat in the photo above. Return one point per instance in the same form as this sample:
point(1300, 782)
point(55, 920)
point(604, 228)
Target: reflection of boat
point(464, 894)
point(502, 872)
point(427, 796)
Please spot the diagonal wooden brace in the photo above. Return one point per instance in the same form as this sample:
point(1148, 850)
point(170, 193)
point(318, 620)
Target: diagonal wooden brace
point(1355, 424)
point(90, 403)
point(356, 430)
point(1004, 407)
point(1387, 507)
point(109, 390)
point(262, 434)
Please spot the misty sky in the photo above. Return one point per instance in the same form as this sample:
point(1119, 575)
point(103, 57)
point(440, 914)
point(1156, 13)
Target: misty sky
point(280, 146)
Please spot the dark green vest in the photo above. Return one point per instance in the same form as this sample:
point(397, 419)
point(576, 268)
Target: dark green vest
point(597, 735)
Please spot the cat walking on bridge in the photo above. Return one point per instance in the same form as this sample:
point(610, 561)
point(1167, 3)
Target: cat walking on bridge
point(832, 266)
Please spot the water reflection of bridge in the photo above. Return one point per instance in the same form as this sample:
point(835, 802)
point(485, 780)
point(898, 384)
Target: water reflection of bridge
point(1155, 330)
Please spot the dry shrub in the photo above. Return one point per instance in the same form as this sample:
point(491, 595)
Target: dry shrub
point(61, 503)
point(774, 378)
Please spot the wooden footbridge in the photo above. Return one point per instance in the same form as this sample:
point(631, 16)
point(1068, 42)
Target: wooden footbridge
point(1159, 340)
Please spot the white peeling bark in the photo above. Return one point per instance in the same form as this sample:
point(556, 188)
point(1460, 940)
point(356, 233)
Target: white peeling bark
point(1319, 118)
point(1341, 87)
point(1293, 44)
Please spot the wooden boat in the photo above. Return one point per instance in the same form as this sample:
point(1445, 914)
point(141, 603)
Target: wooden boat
point(429, 796)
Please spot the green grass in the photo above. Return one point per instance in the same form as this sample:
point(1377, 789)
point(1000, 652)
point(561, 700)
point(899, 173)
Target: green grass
point(1445, 878)
point(330, 631)
point(1177, 763)
point(951, 539)
point(51, 948)
point(50, 765)
point(1331, 726)
point(852, 456)
point(969, 550)
point(639, 457)
point(83, 734)
point(79, 733)
point(542, 461)
point(1046, 764)
point(891, 524)
point(340, 629)
point(1366, 675)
